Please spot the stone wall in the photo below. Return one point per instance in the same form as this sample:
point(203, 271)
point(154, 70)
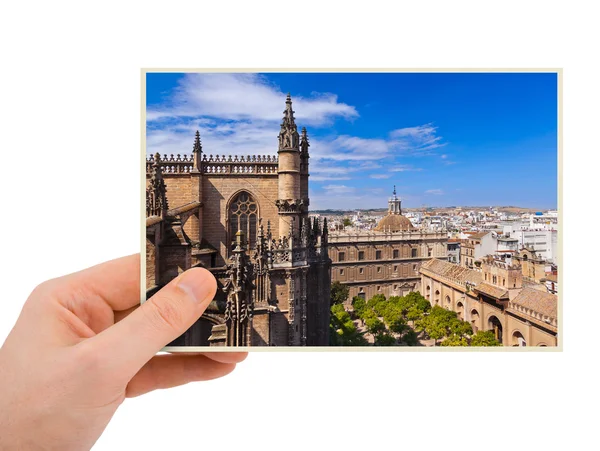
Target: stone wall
point(218, 191)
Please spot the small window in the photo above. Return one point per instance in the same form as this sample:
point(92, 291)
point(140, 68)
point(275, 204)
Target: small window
point(361, 270)
point(429, 252)
point(395, 268)
point(413, 252)
point(341, 272)
point(378, 287)
point(395, 287)
point(415, 268)
point(396, 253)
point(361, 255)
point(379, 269)
point(341, 256)
point(377, 255)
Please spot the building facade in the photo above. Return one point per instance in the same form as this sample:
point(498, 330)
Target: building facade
point(454, 251)
point(476, 246)
point(497, 298)
point(246, 220)
point(385, 260)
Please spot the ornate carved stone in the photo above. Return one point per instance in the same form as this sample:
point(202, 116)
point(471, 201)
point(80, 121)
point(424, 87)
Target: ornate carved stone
point(238, 288)
point(156, 193)
point(293, 206)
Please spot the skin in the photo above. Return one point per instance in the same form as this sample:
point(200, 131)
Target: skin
point(83, 344)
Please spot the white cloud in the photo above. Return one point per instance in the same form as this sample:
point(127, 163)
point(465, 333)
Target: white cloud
point(434, 191)
point(404, 168)
point(246, 97)
point(240, 114)
point(339, 189)
point(419, 140)
point(345, 197)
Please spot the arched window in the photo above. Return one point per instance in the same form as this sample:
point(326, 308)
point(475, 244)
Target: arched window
point(243, 213)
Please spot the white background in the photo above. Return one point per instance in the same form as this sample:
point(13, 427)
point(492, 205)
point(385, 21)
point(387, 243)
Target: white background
point(69, 197)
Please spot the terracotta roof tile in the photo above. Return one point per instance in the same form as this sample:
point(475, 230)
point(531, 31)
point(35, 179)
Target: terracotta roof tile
point(538, 301)
point(452, 271)
point(492, 291)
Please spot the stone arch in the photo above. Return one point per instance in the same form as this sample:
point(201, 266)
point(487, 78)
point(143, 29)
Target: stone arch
point(474, 319)
point(437, 297)
point(447, 301)
point(517, 338)
point(427, 292)
point(495, 324)
point(242, 214)
point(460, 309)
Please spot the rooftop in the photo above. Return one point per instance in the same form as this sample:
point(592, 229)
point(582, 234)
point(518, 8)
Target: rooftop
point(394, 223)
point(538, 301)
point(452, 271)
point(492, 291)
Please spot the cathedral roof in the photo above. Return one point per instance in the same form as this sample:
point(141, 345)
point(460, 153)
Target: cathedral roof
point(394, 223)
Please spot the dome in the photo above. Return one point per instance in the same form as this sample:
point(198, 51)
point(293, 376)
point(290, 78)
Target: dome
point(394, 223)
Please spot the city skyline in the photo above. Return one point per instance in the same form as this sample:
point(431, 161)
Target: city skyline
point(443, 139)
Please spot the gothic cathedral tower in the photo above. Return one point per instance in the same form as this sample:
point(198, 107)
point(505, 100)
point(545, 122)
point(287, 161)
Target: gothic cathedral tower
point(308, 275)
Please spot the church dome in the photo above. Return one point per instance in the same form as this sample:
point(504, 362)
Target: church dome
point(394, 223)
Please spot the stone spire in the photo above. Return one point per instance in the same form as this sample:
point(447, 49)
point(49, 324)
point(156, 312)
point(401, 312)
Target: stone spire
point(238, 289)
point(304, 144)
point(394, 204)
point(288, 135)
point(290, 202)
point(197, 152)
point(156, 193)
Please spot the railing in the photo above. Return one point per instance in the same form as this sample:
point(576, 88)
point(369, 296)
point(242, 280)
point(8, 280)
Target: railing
point(335, 237)
point(173, 164)
point(224, 164)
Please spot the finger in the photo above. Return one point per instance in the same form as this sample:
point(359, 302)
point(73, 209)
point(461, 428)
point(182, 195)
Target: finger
point(117, 282)
point(122, 314)
point(219, 356)
point(166, 371)
point(130, 343)
point(227, 357)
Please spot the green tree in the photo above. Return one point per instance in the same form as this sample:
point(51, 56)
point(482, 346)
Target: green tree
point(397, 325)
point(342, 331)
point(455, 340)
point(339, 293)
point(414, 314)
point(376, 300)
point(436, 331)
point(347, 222)
point(484, 338)
point(384, 339)
point(374, 325)
point(410, 338)
point(461, 328)
point(358, 304)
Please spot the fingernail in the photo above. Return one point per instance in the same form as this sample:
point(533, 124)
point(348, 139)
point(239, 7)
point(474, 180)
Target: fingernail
point(198, 284)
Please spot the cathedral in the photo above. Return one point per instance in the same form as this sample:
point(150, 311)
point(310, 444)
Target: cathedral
point(387, 259)
point(244, 218)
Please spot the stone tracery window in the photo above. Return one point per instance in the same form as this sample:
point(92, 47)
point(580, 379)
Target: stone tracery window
point(243, 213)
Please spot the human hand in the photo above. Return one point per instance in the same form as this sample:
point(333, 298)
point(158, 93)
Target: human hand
point(82, 344)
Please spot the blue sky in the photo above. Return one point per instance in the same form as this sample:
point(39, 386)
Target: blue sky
point(442, 138)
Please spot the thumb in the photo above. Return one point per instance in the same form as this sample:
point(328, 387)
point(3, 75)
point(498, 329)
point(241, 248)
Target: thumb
point(165, 316)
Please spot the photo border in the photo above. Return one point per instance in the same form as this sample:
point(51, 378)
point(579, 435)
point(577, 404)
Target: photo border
point(558, 348)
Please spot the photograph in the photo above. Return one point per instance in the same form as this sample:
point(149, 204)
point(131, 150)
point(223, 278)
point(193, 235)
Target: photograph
point(357, 209)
